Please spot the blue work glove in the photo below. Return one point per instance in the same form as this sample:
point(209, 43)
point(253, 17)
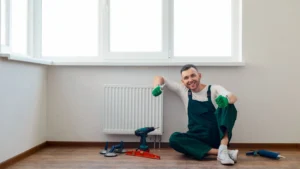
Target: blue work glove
point(222, 101)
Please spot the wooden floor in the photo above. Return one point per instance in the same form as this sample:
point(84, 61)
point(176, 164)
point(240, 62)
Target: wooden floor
point(89, 158)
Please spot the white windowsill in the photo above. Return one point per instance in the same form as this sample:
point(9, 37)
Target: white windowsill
point(27, 59)
point(117, 63)
point(144, 63)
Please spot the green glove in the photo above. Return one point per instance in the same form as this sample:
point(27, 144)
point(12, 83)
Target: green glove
point(222, 101)
point(157, 91)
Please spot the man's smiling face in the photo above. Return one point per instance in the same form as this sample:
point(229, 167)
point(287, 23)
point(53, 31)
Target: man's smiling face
point(191, 79)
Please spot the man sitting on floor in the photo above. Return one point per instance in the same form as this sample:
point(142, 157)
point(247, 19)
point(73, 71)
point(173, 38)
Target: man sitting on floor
point(211, 116)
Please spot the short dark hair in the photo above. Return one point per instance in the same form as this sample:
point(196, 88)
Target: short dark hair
point(187, 67)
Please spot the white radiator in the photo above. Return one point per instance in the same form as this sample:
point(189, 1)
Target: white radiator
point(128, 108)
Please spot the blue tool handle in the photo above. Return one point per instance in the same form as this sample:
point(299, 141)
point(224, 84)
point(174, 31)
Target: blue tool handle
point(250, 153)
point(269, 154)
point(112, 149)
point(106, 146)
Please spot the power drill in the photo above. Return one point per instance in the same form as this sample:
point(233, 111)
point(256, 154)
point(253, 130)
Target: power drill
point(142, 132)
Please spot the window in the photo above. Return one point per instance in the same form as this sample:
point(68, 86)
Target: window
point(19, 26)
point(14, 27)
point(123, 30)
point(134, 29)
point(135, 26)
point(4, 29)
point(203, 30)
point(70, 28)
point(3, 23)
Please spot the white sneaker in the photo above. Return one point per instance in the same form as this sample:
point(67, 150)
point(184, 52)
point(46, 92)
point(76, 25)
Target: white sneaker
point(224, 158)
point(233, 154)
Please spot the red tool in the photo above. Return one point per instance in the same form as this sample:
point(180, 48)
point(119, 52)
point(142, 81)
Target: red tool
point(141, 153)
point(143, 150)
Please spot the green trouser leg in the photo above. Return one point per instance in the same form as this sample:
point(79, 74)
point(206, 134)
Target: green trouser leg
point(226, 118)
point(188, 145)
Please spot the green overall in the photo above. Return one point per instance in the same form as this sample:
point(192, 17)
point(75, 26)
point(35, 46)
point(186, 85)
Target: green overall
point(206, 127)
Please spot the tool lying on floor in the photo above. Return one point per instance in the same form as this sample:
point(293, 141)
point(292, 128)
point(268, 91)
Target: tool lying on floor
point(143, 150)
point(265, 153)
point(119, 148)
point(105, 149)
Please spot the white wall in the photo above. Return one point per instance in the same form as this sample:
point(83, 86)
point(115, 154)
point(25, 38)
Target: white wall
point(267, 87)
point(22, 107)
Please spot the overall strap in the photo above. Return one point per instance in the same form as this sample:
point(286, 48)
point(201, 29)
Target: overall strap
point(209, 93)
point(190, 94)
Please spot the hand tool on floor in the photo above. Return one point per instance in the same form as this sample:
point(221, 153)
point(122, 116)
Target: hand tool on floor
point(105, 149)
point(119, 148)
point(265, 153)
point(143, 150)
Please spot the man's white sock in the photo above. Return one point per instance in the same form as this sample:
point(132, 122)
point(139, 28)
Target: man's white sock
point(223, 155)
point(222, 147)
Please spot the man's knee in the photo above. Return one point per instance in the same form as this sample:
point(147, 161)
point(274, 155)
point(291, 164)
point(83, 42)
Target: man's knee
point(174, 139)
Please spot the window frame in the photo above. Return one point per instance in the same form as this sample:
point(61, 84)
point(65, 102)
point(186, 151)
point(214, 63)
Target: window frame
point(30, 45)
point(168, 40)
point(77, 58)
point(166, 56)
point(6, 47)
point(236, 38)
point(107, 55)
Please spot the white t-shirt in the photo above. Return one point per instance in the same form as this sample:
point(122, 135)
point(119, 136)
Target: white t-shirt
point(182, 92)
